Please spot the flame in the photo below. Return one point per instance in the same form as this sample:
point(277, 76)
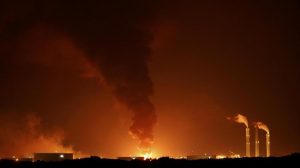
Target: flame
point(147, 156)
point(239, 119)
point(262, 126)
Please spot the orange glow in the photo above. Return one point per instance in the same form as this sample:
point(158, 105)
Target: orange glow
point(147, 156)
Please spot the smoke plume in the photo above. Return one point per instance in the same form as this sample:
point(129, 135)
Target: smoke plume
point(114, 37)
point(262, 126)
point(26, 137)
point(239, 119)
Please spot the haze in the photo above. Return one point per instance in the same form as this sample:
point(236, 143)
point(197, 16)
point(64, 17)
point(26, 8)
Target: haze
point(76, 76)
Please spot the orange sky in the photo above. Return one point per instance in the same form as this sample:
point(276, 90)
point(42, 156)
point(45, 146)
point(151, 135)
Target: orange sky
point(209, 60)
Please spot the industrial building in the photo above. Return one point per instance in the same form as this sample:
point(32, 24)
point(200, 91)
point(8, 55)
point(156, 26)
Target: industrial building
point(52, 156)
point(198, 157)
point(130, 158)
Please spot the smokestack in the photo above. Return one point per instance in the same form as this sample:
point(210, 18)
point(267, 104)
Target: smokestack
point(256, 142)
point(268, 143)
point(264, 127)
point(242, 119)
point(247, 142)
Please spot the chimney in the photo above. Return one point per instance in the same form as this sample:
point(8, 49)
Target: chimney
point(268, 144)
point(256, 142)
point(247, 142)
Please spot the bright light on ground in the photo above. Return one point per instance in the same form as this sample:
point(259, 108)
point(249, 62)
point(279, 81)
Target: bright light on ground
point(220, 157)
point(147, 156)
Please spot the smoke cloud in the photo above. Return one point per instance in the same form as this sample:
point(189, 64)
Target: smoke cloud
point(113, 38)
point(239, 119)
point(26, 137)
point(262, 126)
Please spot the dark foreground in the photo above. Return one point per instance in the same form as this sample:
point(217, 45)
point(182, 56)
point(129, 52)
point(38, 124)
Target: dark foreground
point(287, 161)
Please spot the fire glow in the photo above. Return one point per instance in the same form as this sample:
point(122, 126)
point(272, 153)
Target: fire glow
point(147, 156)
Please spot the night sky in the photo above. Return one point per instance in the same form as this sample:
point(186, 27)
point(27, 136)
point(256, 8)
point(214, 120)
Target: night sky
point(119, 78)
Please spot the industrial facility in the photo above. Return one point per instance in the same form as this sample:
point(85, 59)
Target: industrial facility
point(197, 157)
point(52, 156)
point(130, 158)
point(262, 126)
point(257, 125)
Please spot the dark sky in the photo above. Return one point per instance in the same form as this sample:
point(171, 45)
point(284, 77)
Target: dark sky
point(83, 75)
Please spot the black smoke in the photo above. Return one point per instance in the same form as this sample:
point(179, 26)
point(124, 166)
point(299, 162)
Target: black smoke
point(114, 35)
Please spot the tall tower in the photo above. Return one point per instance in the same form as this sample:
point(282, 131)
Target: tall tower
point(256, 142)
point(268, 143)
point(247, 142)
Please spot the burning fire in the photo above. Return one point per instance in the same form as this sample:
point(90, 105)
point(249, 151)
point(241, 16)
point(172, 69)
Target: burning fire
point(147, 156)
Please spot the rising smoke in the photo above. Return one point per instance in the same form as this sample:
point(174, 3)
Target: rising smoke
point(262, 126)
point(239, 119)
point(26, 137)
point(115, 37)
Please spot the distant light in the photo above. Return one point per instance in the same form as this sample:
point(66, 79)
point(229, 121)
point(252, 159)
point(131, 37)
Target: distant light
point(17, 159)
point(220, 157)
point(147, 156)
point(235, 156)
point(61, 156)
